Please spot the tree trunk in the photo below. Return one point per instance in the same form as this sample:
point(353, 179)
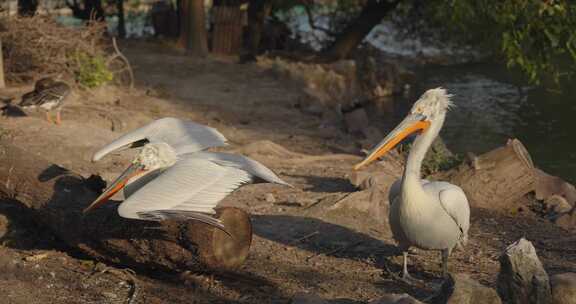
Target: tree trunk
point(496, 179)
point(183, 9)
point(258, 10)
point(57, 196)
point(353, 34)
point(27, 8)
point(227, 30)
point(2, 80)
point(193, 27)
point(92, 10)
point(121, 21)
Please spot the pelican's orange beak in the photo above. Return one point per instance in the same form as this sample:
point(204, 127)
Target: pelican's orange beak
point(411, 124)
point(119, 184)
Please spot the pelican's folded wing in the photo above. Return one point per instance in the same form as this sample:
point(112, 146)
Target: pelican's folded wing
point(244, 163)
point(188, 190)
point(455, 203)
point(182, 136)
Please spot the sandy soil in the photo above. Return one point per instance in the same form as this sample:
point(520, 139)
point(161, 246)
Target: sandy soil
point(300, 243)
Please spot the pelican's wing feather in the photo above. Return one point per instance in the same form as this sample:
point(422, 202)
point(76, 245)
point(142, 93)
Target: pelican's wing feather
point(183, 136)
point(251, 166)
point(189, 189)
point(455, 203)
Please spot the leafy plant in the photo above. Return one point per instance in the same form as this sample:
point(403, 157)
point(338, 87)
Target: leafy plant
point(438, 158)
point(92, 70)
point(535, 36)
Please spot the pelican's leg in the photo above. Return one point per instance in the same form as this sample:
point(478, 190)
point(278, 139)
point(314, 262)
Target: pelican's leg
point(48, 118)
point(405, 274)
point(58, 118)
point(445, 254)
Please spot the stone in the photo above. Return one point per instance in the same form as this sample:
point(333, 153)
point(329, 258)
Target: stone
point(394, 298)
point(307, 298)
point(522, 278)
point(356, 120)
point(270, 198)
point(556, 204)
point(548, 185)
point(4, 225)
point(567, 221)
point(461, 289)
point(371, 201)
point(563, 288)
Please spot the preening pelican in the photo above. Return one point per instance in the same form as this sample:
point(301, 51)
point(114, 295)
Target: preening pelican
point(173, 178)
point(427, 215)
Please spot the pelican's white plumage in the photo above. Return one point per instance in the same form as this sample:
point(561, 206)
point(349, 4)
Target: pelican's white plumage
point(429, 215)
point(182, 136)
point(180, 181)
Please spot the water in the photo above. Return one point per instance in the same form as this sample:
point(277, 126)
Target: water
point(492, 104)
point(491, 108)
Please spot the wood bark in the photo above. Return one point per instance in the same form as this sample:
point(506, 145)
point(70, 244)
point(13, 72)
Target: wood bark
point(92, 10)
point(370, 16)
point(121, 20)
point(2, 79)
point(57, 197)
point(227, 35)
point(496, 179)
point(193, 27)
point(27, 8)
point(258, 11)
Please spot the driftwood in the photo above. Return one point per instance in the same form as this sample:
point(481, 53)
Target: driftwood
point(57, 196)
point(496, 179)
point(2, 81)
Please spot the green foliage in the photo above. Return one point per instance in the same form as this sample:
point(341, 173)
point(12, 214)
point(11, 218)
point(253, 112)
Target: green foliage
point(536, 36)
point(92, 70)
point(438, 158)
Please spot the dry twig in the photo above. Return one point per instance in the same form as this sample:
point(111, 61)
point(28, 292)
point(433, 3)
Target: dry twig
point(39, 47)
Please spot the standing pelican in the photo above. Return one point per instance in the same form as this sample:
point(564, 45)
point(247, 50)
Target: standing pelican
point(427, 215)
point(48, 95)
point(173, 178)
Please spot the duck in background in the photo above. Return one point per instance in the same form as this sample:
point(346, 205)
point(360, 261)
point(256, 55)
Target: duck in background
point(48, 95)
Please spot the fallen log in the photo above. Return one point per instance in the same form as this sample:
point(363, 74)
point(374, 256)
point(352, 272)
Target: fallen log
point(497, 179)
point(57, 197)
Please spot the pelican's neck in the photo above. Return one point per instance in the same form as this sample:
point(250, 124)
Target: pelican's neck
point(411, 177)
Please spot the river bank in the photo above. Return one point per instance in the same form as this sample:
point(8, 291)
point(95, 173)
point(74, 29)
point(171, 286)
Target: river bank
point(300, 243)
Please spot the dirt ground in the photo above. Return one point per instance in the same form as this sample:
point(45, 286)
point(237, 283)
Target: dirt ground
point(300, 243)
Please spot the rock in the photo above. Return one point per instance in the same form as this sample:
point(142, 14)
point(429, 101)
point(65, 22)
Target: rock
point(548, 185)
point(372, 137)
point(383, 177)
point(462, 289)
point(556, 204)
point(372, 201)
point(563, 288)
point(395, 298)
point(356, 120)
point(307, 298)
point(567, 221)
point(270, 198)
point(328, 132)
point(4, 224)
point(522, 279)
